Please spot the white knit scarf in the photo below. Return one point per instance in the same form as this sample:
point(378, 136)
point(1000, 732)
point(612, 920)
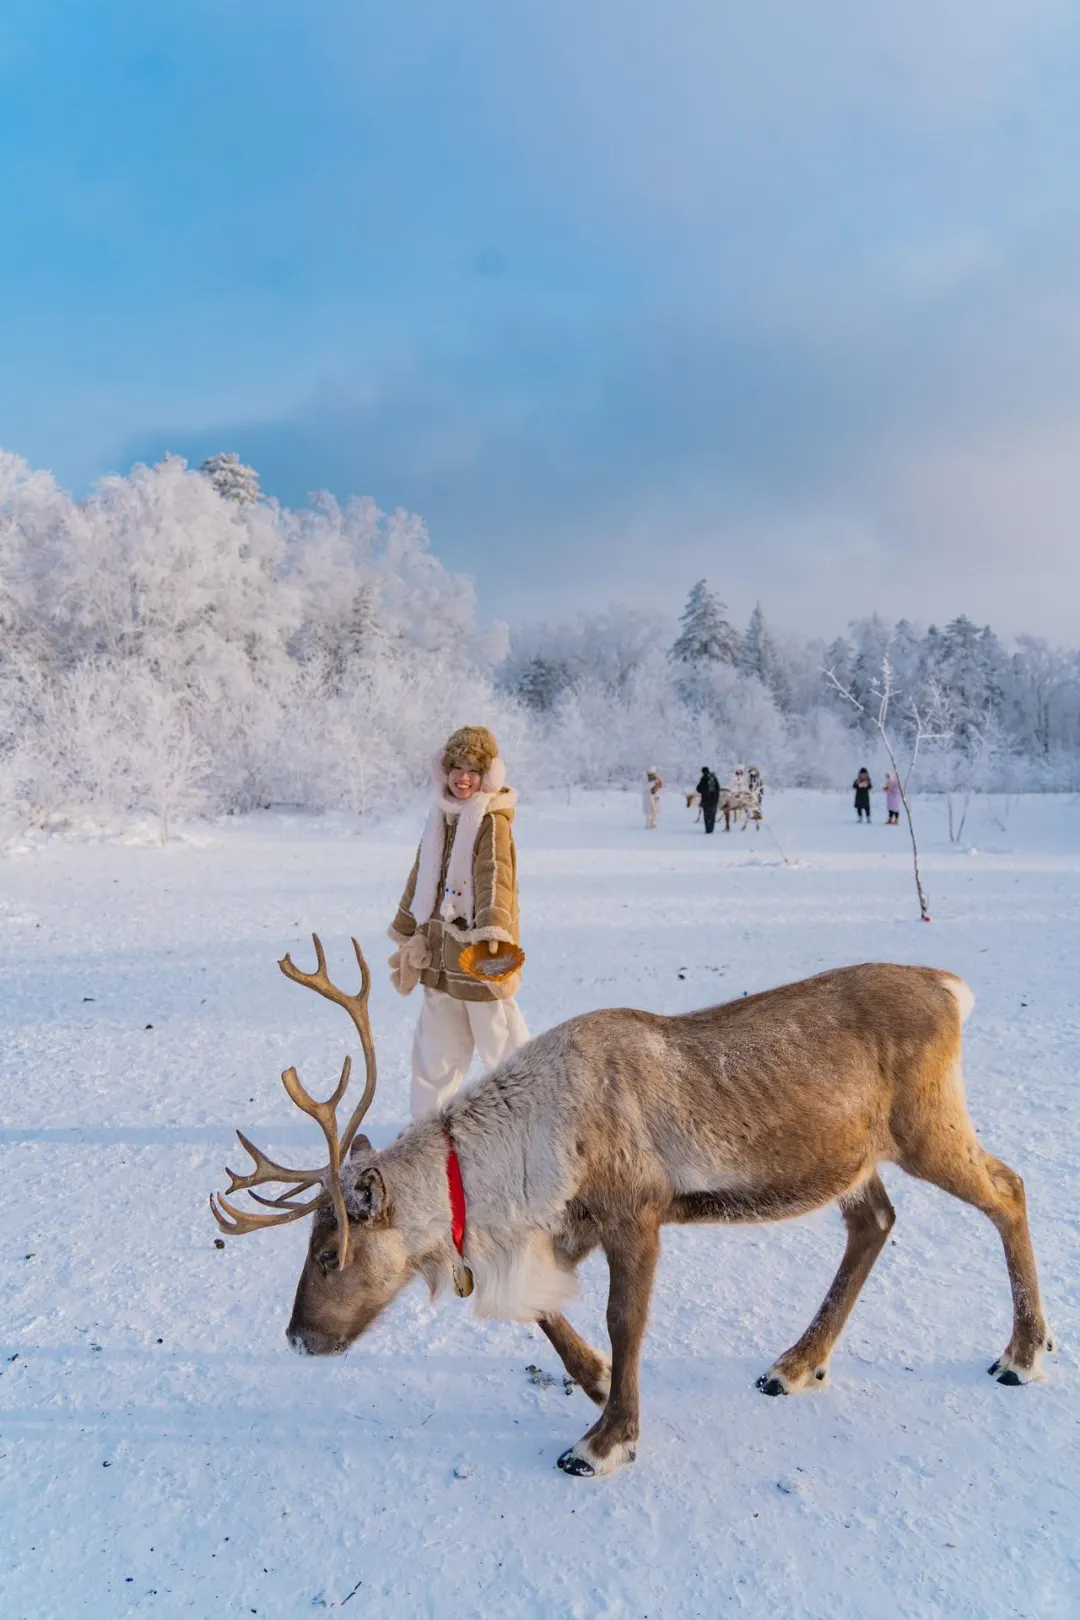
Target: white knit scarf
point(457, 897)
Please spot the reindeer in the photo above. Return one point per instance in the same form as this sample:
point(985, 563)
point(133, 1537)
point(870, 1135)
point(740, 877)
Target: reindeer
point(604, 1129)
point(744, 802)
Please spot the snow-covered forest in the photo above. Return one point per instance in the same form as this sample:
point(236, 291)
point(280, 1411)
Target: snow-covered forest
point(177, 643)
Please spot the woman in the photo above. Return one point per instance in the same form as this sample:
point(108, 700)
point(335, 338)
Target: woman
point(892, 799)
point(862, 785)
point(457, 925)
point(650, 797)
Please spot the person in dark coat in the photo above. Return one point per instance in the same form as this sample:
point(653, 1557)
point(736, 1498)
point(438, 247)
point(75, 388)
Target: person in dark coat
point(862, 785)
point(709, 793)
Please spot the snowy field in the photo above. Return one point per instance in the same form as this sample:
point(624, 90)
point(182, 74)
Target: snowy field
point(162, 1453)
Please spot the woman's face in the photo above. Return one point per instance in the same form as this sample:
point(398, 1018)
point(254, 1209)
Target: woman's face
point(463, 784)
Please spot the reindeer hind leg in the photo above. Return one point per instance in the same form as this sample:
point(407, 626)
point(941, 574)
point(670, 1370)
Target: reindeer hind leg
point(952, 1158)
point(869, 1218)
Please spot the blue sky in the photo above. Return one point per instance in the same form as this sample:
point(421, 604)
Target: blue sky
point(615, 294)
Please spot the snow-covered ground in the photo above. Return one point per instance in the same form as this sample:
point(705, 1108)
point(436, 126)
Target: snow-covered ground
point(162, 1453)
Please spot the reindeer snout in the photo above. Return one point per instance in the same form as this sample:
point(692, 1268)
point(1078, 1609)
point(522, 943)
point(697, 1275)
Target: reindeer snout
point(307, 1342)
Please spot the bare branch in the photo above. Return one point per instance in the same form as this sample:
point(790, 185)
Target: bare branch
point(886, 691)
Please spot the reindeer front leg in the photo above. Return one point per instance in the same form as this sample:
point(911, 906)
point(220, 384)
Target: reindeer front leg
point(632, 1253)
point(588, 1367)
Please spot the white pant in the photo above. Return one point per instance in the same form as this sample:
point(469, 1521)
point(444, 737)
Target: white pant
point(446, 1035)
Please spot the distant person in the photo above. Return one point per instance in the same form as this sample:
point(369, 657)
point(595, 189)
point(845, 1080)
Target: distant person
point(892, 799)
point(754, 784)
point(650, 797)
point(708, 790)
point(862, 785)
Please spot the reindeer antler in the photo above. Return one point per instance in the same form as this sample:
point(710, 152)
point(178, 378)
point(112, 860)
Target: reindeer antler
point(357, 1009)
point(238, 1221)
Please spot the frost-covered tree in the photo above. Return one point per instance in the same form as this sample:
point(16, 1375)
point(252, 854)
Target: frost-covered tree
point(967, 663)
point(369, 579)
point(161, 568)
point(705, 634)
point(759, 658)
point(755, 649)
point(607, 650)
point(905, 655)
point(231, 478)
point(870, 639)
point(840, 660)
point(172, 764)
point(540, 682)
point(1042, 680)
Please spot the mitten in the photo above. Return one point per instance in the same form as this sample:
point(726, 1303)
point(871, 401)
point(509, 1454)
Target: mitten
point(408, 963)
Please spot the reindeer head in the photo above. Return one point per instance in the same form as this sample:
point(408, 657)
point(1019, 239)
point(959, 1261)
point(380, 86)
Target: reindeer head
point(356, 1261)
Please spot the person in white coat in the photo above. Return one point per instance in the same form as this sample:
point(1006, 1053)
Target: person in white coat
point(650, 797)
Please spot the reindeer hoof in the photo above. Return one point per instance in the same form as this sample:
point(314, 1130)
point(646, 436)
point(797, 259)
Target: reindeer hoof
point(1012, 1370)
point(585, 1463)
point(769, 1384)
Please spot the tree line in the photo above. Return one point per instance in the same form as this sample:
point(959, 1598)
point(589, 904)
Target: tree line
point(176, 642)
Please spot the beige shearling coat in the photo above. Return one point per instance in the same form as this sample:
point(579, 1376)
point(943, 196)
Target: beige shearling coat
point(495, 908)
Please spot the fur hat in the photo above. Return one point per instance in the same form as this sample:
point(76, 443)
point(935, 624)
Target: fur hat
point(471, 748)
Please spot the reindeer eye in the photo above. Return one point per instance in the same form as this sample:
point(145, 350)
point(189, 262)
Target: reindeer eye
point(328, 1258)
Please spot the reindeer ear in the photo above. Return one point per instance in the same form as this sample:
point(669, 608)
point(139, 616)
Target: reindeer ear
point(360, 1144)
point(367, 1200)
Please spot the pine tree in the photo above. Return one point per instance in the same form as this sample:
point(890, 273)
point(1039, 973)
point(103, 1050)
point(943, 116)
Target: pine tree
point(969, 665)
point(839, 665)
point(905, 650)
point(706, 636)
point(760, 659)
point(995, 669)
point(871, 637)
point(755, 648)
point(232, 480)
point(542, 682)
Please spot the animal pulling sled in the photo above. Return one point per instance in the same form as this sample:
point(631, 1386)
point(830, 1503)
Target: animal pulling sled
point(602, 1130)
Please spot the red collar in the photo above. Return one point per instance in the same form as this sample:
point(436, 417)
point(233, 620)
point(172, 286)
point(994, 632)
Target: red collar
point(463, 1277)
point(457, 1195)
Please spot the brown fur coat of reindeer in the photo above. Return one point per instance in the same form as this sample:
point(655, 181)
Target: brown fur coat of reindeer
point(602, 1130)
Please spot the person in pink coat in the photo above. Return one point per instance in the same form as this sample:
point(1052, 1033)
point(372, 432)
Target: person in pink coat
point(892, 799)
